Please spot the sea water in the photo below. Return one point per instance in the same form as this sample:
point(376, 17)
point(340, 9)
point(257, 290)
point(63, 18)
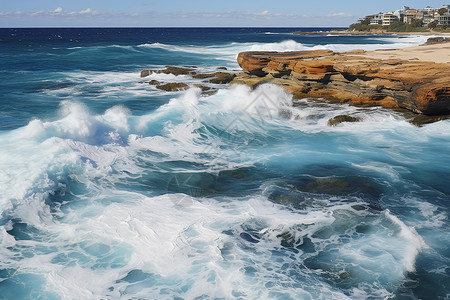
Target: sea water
point(113, 189)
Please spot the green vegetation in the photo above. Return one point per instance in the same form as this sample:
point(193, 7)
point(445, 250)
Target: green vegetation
point(442, 29)
point(433, 24)
point(415, 26)
point(363, 27)
point(442, 11)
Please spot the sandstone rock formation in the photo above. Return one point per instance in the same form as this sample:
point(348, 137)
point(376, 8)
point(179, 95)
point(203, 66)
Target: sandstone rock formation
point(352, 77)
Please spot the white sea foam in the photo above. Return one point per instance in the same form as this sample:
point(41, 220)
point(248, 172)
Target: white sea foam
point(184, 244)
point(105, 232)
point(415, 243)
point(231, 50)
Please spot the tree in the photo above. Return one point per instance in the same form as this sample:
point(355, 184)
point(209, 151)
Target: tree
point(433, 24)
point(366, 21)
point(416, 23)
point(442, 11)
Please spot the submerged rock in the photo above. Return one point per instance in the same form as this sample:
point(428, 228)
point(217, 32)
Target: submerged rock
point(216, 78)
point(359, 186)
point(421, 120)
point(146, 73)
point(222, 78)
point(327, 186)
point(203, 75)
point(154, 82)
point(177, 71)
point(170, 70)
point(173, 87)
point(341, 119)
point(359, 207)
point(206, 90)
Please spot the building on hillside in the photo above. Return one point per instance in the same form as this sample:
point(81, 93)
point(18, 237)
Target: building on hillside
point(400, 13)
point(413, 14)
point(408, 15)
point(428, 18)
point(444, 20)
point(389, 18)
point(377, 19)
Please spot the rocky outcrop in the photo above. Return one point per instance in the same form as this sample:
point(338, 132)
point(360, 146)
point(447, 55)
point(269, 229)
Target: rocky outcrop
point(208, 80)
point(170, 70)
point(437, 40)
point(173, 86)
point(342, 119)
point(145, 73)
point(352, 77)
point(216, 78)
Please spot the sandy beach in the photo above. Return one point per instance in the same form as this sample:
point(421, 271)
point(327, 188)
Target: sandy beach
point(438, 53)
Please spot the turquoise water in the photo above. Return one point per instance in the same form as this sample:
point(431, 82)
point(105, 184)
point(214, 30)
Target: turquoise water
point(112, 189)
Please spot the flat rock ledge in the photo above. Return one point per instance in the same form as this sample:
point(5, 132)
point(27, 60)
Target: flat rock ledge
point(208, 82)
point(352, 77)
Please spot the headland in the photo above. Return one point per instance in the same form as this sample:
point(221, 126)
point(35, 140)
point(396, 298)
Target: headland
point(416, 78)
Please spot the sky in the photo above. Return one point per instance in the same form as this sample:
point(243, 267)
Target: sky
point(193, 13)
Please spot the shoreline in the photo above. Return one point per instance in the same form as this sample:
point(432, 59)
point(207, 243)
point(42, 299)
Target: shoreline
point(414, 78)
point(345, 32)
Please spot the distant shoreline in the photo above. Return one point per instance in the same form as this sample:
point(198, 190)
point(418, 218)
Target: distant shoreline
point(345, 32)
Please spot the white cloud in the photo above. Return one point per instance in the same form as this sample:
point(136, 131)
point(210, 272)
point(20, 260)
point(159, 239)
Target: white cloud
point(60, 12)
point(89, 11)
point(230, 18)
point(340, 14)
point(264, 13)
point(37, 13)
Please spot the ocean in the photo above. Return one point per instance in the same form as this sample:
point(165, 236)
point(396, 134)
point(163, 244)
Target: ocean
point(113, 189)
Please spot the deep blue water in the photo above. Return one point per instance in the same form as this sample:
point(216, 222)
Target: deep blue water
point(111, 188)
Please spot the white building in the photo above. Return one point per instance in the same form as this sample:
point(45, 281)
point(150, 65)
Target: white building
point(389, 18)
point(408, 15)
point(377, 19)
point(444, 20)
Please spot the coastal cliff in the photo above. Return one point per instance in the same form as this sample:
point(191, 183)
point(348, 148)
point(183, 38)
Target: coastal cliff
point(355, 77)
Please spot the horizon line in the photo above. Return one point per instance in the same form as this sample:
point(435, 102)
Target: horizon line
point(50, 27)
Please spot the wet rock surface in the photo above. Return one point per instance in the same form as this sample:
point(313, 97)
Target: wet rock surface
point(342, 119)
point(352, 77)
point(208, 80)
point(173, 86)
